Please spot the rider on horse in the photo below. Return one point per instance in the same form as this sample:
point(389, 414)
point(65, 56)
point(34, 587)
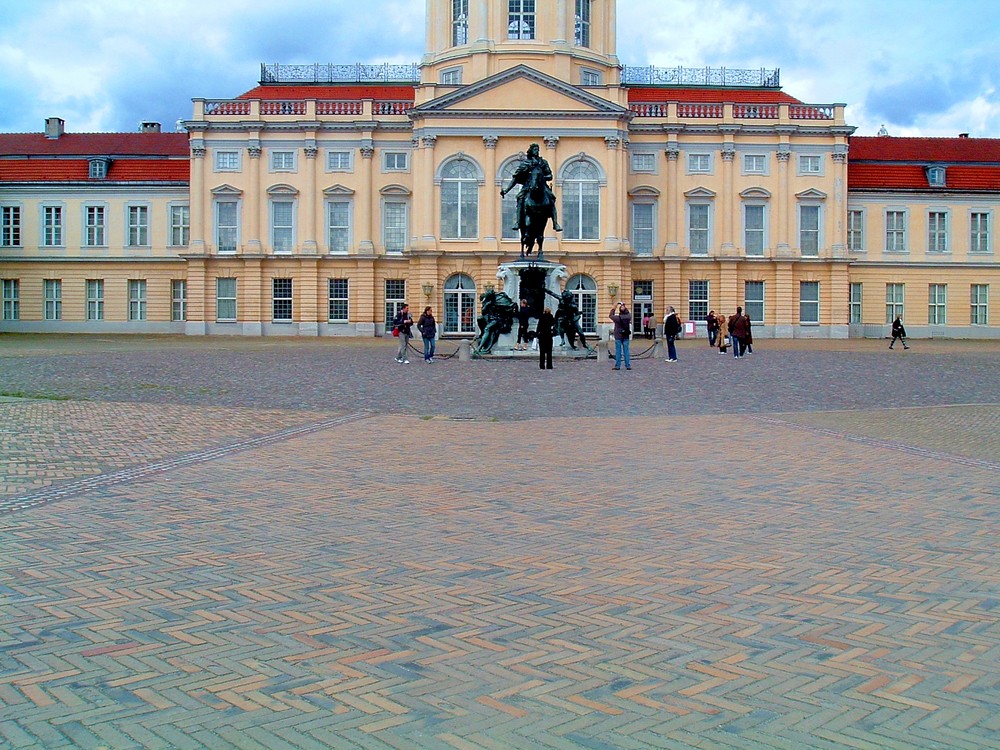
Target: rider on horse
point(522, 176)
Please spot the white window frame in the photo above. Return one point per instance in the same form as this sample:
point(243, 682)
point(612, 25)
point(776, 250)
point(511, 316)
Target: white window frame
point(582, 15)
point(979, 304)
point(224, 295)
point(856, 303)
point(979, 232)
point(137, 300)
point(937, 304)
point(809, 307)
point(282, 299)
point(227, 160)
point(403, 206)
point(900, 233)
point(762, 232)
point(642, 206)
point(521, 23)
point(451, 76)
point(52, 294)
point(180, 225)
point(336, 298)
point(705, 231)
point(52, 221)
point(217, 204)
point(343, 157)
point(283, 160)
point(753, 167)
point(394, 300)
point(698, 302)
point(459, 23)
point(178, 300)
point(699, 162)
point(855, 230)
point(457, 299)
point(584, 290)
point(936, 176)
point(95, 233)
point(137, 225)
point(895, 300)
point(95, 299)
point(579, 195)
point(750, 304)
point(453, 196)
point(590, 77)
point(810, 165)
point(12, 220)
point(344, 231)
point(643, 162)
point(97, 169)
point(10, 289)
point(285, 244)
point(818, 231)
point(391, 161)
point(937, 231)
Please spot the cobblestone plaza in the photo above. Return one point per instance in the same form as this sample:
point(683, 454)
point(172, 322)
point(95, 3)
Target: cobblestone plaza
point(273, 543)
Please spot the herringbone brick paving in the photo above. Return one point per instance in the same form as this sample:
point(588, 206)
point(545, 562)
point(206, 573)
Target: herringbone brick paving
point(819, 580)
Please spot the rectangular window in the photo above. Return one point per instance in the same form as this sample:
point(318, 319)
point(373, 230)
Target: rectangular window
point(809, 230)
point(937, 232)
point(520, 19)
point(979, 239)
point(227, 161)
point(856, 231)
point(394, 226)
point(697, 299)
point(895, 231)
point(893, 301)
point(227, 225)
point(339, 220)
point(180, 226)
point(10, 221)
point(459, 22)
point(395, 298)
point(178, 299)
point(137, 299)
point(698, 228)
point(699, 163)
point(395, 161)
point(138, 226)
point(581, 23)
point(856, 298)
point(590, 77)
point(809, 302)
point(643, 162)
point(98, 169)
point(753, 300)
point(937, 304)
point(809, 164)
point(281, 300)
point(643, 215)
point(282, 161)
point(754, 164)
point(979, 314)
point(52, 226)
point(94, 227)
point(753, 229)
point(225, 300)
point(338, 161)
point(52, 290)
point(282, 229)
point(11, 299)
point(95, 299)
point(338, 294)
point(451, 77)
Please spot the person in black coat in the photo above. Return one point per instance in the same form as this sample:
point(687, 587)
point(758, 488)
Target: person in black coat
point(544, 332)
point(898, 332)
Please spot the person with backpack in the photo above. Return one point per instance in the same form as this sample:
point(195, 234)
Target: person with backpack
point(402, 327)
point(671, 330)
point(622, 319)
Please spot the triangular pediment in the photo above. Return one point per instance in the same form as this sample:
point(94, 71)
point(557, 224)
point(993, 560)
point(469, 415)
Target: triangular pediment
point(522, 90)
point(811, 194)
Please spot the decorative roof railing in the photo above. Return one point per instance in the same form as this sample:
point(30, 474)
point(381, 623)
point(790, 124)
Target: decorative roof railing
point(716, 110)
point(681, 76)
point(332, 73)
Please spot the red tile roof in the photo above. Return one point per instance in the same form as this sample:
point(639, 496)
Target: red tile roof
point(925, 150)
point(94, 144)
point(735, 96)
point(77, 170)
point(868, 176)
point(328, 93)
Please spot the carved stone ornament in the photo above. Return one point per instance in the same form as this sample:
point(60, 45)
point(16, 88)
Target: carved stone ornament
point(490, 141)
point(430, 140)
point(784, 155)
point(612, 141)
point(551, 141)
point(199, 152)
point(673, 153)
point(839, 158)
point(367, 152)
point(254, 151)
point(728, 154)
point(310, 152)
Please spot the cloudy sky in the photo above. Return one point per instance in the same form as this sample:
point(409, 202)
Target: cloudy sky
point(921, 67)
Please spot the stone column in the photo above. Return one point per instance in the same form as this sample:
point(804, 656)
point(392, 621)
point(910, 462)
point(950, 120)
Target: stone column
point(675, 203)
point(490, 225)
point(726, 204)
point(199, 199)
point(251, 219)
point(308, 214)
point(433, 210)
point(366, 197)
point(781, 223)
point(612, 237)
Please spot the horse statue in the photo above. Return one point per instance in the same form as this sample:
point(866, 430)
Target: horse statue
point(536, 203)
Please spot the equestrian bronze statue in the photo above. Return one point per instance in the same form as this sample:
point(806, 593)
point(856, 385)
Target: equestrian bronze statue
point(536, 203)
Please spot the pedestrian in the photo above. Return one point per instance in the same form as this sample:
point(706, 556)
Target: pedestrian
point(403, 323)
point(749, 337)
point(647, 327)
point(671, 329)
point(712, 326)
point(622, 319)
point(428, 330)
point(737, 330)
point(523, 314)
point(723, 338)
point(544, 331)
point(898, 332)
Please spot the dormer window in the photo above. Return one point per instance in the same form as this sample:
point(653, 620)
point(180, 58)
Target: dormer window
point(935, 176)
point(98, 169)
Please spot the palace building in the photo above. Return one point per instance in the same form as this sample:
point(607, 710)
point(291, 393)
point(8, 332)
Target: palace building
point(320, 200)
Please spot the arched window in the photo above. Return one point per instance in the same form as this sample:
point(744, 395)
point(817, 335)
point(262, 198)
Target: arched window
point(581, 202)
point(584, 290)
point(508, 204)
point(459, 201)
point(459, 305)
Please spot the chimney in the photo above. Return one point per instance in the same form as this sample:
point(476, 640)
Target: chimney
point(963, 135)
point(149, 127)
point(54, 127)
